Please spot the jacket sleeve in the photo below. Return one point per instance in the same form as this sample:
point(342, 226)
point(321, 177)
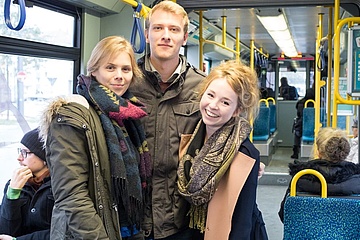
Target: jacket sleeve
point(44, 235)
point(11, 215)
point(242, 218)
point(74, 215)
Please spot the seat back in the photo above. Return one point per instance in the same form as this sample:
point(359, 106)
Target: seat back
point(320, 218)
point(272, 107)
point(262, 125)
point(308, 124)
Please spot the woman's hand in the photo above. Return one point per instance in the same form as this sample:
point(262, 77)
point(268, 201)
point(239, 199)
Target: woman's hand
point(261, 170)
point(20, 177)
point(5, 237)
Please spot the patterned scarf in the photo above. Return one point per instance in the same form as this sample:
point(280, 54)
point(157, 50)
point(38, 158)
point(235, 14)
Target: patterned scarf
point(126, 143)
point(204, 164)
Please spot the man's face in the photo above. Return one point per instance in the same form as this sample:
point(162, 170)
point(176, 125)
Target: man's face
point(165, 35)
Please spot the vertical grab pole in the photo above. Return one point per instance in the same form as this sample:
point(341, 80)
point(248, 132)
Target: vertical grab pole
point(237, 45)
point(317, 77)
point(201, 41)
point(330, 79)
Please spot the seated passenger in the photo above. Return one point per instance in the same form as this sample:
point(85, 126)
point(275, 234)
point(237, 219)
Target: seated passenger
point(297, 127)
point(354, 144)
point(27, 204)
point(286, 91)
point(342, 177)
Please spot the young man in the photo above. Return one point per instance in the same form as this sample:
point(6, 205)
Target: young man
point(168, 93)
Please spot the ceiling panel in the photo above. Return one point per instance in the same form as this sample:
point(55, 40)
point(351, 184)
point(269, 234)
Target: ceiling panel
point(302, 18)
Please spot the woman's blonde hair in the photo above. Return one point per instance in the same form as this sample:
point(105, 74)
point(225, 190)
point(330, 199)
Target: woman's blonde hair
point(332, 144)
point(243, 80)
point(107, 48)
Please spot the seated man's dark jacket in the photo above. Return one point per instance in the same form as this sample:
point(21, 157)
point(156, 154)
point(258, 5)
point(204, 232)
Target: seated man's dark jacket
point(29, 216)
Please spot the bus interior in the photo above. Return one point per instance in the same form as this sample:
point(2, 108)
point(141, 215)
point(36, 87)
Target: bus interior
point(41, 59)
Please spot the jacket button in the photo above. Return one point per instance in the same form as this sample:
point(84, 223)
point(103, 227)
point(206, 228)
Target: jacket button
point(59, 120)
point(96, 164)
point(33, 210)
point(100, 206)
point(158, 95)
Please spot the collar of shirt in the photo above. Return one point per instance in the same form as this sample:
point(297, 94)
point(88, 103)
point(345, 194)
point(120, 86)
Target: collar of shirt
point(173, 76)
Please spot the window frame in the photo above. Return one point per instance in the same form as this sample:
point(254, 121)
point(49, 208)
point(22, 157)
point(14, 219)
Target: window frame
point(29, 48)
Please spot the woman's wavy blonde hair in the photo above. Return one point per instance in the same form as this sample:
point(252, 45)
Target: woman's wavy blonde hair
point(243, 80)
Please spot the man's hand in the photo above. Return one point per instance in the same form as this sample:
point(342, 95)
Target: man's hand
point(20, 177)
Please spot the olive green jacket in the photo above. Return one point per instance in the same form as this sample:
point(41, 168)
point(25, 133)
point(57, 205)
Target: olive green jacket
point(78, 160)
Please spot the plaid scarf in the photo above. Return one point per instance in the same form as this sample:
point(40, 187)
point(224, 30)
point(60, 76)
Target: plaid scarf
point(204, 164)
point(126, 143)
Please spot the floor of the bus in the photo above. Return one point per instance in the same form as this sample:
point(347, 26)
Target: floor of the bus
point(276, 172)
point(280, 160)
point(271, 190)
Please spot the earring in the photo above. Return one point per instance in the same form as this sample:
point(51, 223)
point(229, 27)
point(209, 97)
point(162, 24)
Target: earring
point(45, 163)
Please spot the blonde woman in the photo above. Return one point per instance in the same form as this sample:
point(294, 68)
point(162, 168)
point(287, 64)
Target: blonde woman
point(220, 158)
point(97, 152)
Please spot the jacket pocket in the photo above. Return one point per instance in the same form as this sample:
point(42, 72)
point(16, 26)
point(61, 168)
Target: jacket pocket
point(186, 115)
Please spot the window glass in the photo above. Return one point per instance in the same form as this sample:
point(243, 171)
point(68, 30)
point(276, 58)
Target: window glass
point(28, 82)
point(26, 86)
point(295, 72)
point(41, 25)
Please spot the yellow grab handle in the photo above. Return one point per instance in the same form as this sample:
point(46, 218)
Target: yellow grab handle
point(271, 99)
point(309, 100)
point(308, 171)
point(264, 100)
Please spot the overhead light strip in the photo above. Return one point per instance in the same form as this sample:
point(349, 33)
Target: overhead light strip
point(279, 31)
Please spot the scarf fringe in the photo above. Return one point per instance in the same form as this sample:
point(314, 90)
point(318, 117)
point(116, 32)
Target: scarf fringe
point(133, 207)
point(198, 217)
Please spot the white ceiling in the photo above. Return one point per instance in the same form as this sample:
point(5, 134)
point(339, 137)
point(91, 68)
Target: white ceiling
point(303, 21)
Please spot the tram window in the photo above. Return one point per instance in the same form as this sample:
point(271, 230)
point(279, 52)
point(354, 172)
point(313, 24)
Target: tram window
point(296, 77)
point(41, 25)
point(37, 63)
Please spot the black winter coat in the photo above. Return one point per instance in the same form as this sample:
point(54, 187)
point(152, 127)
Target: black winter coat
point(29, 216)
point(343, 179)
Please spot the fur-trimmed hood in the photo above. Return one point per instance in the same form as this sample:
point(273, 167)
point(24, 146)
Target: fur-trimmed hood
point(53, 109)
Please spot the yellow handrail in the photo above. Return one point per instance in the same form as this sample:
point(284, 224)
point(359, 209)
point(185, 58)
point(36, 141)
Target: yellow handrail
point(144, 10)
